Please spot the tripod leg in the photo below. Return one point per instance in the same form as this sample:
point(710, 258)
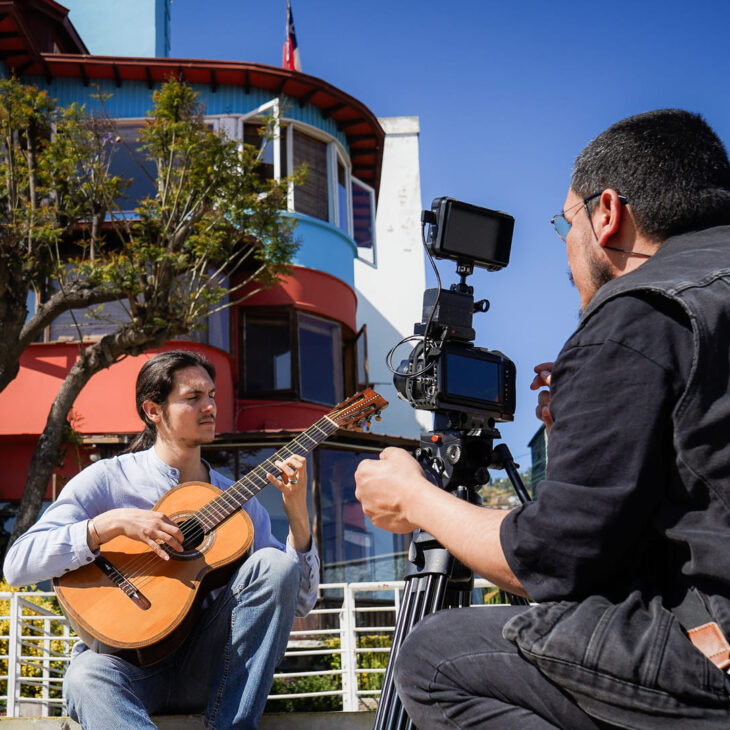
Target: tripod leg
point(423, 595)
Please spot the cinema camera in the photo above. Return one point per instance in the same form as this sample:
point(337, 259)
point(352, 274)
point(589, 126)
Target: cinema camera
point(445, 371)
point(469, 389)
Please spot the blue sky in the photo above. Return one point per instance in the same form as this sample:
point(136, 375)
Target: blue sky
point(507, 93)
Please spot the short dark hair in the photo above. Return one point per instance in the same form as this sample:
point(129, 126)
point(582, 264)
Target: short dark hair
point(155, 382)
point(669, 164)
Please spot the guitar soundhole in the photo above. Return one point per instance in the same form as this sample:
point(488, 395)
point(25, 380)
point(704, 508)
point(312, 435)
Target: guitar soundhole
point(193, 534)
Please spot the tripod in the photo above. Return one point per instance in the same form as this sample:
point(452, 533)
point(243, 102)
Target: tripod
point(455, 460)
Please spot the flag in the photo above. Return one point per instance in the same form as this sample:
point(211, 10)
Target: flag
point(290, 57)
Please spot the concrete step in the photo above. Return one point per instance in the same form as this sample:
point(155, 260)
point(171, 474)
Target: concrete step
point(274, 721)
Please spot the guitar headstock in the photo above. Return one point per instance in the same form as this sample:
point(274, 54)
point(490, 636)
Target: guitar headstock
point(358, 409)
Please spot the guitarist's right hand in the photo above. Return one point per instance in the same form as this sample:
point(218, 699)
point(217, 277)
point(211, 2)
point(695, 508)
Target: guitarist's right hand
point(151, 528)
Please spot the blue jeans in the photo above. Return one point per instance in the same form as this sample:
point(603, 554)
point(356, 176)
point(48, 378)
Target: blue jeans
point(225, 668)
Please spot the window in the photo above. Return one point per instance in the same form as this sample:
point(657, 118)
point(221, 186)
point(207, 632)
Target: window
point(353, 549)
point(343, 216)
point(235, 462)
point(130, 162)
point(91, 322)
point(320, 360)
point(326, 192)
point(289, 354)
point(254, 134)
point(267, 353)
point(361, 345)
point(311, 197)
point(363, 219)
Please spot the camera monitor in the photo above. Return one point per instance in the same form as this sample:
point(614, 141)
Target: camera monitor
point(470, 234)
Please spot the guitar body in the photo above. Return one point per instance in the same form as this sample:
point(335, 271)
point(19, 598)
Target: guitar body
point(131, 602)
point(131, 599)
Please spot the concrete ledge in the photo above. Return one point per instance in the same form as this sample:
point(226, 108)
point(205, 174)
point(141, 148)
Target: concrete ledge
point(277, 721)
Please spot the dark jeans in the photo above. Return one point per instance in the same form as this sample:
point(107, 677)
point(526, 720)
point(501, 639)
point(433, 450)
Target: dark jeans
point(455, 670)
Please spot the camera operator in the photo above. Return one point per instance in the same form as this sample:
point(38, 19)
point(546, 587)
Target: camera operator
point(625, 548)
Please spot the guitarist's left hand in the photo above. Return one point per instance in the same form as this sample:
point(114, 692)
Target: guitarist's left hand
point(292, 483)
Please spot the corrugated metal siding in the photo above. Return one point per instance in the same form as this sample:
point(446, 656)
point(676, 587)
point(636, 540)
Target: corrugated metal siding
point(134, 99)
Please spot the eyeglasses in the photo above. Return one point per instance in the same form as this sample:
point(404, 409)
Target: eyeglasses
point(562, 225)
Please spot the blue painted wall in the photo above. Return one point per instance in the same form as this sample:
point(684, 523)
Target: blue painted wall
point(325, 248)
point(122, 27)
point(134, 99)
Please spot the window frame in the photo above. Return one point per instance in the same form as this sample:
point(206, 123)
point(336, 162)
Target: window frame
point(347, 353)
point(364, 253)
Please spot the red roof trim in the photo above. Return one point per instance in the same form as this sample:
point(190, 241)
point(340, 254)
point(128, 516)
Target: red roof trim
point(359, 124)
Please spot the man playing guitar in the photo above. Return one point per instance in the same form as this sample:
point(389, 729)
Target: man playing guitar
point(225, 666)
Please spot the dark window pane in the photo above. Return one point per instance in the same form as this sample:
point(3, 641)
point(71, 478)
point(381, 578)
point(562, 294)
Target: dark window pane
point(129, 162)
point(342, 196)
point(311, 197)
point(92, 322)
point(362, 215)
point(267, 360)
point(283, 136)
point(270, 497)
point(363, 377)
point(353, 549)
point(222, 460)
point(320, 360)
point(252, 134)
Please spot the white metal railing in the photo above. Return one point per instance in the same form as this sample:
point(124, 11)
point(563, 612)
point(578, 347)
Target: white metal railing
point(36, 642)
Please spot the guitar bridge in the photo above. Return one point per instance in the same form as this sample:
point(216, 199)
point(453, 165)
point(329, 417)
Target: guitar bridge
point(126, 586)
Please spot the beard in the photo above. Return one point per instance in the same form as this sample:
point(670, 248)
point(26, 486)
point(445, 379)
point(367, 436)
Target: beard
point(600, 272)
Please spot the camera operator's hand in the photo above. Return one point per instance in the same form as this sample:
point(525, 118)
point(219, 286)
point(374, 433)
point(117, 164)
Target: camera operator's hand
point(541, 380)
point(386, 487)
point(397, 497)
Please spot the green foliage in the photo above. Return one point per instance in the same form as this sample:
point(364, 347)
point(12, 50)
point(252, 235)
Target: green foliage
point(333, 682)
point(210, 235)
point(213, 226)
point(501, 494)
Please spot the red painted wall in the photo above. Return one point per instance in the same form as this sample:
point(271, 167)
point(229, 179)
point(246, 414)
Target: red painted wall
point(312, 291)
point(106, 404)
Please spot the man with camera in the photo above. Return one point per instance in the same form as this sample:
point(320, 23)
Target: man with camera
point(624, 550)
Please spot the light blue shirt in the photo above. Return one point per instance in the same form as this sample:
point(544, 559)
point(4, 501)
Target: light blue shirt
point(56, 544)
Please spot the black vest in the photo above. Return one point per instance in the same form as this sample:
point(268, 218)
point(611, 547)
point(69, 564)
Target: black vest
point(694, 271)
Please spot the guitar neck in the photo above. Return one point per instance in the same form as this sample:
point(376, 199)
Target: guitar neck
point(233, 498)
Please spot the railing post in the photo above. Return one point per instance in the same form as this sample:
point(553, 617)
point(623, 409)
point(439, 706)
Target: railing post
point(348, 644)
point(46, 693)
point(13, 658)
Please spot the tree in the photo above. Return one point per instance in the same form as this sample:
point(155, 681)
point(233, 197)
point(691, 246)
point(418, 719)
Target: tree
point(212, 228)
point(36, 218)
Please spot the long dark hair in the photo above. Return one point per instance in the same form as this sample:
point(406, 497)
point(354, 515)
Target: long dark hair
point(155, 382)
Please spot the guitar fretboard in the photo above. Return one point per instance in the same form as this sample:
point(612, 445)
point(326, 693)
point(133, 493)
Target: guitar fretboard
point(233, 498)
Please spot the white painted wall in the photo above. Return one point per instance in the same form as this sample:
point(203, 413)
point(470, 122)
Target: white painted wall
point(390, 292)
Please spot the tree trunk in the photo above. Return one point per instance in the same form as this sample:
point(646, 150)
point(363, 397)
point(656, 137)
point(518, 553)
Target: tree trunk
point(47, 452)
point(46, 456)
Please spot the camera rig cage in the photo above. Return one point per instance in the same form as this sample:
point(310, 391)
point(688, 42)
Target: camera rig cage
point(470, 389)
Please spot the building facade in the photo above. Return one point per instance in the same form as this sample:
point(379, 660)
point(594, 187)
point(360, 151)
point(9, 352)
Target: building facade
point(286, 355)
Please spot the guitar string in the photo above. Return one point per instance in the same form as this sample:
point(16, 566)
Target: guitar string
point(326, 426)
point(225, 504)
point(148, 558)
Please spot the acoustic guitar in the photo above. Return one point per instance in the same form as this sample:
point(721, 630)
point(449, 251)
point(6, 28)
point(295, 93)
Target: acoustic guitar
point(130, 602)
